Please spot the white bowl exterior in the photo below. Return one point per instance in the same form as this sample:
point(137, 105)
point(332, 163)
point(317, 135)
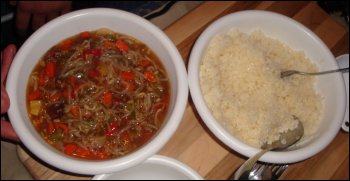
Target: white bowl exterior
point(296, 36)
point(89, 20)
point(155, 168)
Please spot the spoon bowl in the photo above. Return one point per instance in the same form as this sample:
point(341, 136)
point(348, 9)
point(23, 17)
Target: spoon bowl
point(285, 140)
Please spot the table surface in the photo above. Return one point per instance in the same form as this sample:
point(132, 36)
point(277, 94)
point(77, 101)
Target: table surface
point(193, 143)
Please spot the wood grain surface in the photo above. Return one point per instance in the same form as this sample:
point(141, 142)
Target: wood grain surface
point(193, 143)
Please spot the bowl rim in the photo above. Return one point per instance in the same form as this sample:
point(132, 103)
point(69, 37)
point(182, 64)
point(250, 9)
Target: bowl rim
point(91, 167)
point(167, 162)
point(222, 134)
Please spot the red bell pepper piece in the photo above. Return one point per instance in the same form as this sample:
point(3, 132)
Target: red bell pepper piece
point(50, 69)
point(122, 46)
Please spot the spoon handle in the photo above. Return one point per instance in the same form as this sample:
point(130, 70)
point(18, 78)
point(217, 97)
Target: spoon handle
point(330, 71)
point(292, 72)
point(247, 165)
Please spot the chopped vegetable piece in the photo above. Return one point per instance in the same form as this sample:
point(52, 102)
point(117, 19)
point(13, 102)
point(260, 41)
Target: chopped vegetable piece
point(145, 63)
point(74, 92)
point(35, 107)
point(75, 150)
point(95, 52)
point(122, 46)
point(75, 110)
point(102, 69)
point(149, 76)
point(87, 116)
point(103, 154)
point(108, 44)
point(55, 97)
point(70, 148)
point(81, 152)
point(50, 69)
point(129, 86)
point(126, 75)
point(56, 136)
point(107, 99)
point(55, 110)
point(62, 126)
point(34, 95)
point(124, 137)
point(85, 34)
point(43, 78)
point(66, 44)
point(50, 128)
point(112, 129)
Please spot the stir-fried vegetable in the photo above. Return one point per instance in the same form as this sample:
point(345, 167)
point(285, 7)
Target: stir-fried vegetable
point(75, 110)
point(126, 75)
point(50, 69)
point(107, 99)
point(66, 44)
point(34, 95)
point(150, 76)
point(112, 129)
point(35, 107)
point(122, 46)
point(85, 34)
point(75, 150)
point(55, 97)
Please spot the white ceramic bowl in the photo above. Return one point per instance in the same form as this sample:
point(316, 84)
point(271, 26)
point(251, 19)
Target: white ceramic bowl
point(343, 62)
point(155, 168)
point(296, 36)
point(69, 25)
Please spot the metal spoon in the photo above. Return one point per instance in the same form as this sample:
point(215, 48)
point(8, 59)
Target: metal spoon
point(292, 72)
point(286, 139)
point(257, 172)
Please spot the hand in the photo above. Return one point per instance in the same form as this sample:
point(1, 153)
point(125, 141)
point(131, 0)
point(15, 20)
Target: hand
point(6, 59)
point(40, 12)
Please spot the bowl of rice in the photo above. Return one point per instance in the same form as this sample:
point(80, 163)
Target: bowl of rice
point(234, 80)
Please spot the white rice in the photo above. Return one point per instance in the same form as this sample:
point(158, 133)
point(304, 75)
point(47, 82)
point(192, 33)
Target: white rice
point(241, 84)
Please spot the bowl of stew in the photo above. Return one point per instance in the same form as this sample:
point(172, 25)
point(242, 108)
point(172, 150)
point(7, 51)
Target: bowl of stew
point(96, 91)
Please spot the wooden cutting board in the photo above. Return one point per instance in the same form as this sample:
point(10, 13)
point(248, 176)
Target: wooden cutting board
point(193, 143)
